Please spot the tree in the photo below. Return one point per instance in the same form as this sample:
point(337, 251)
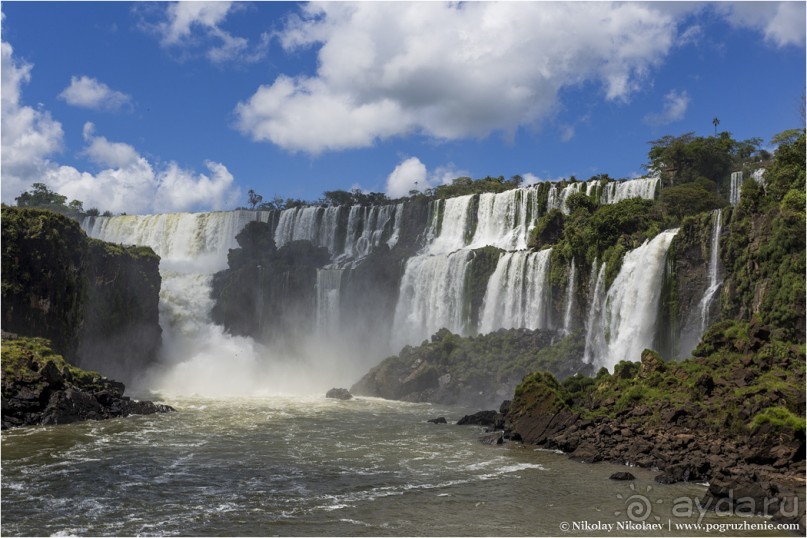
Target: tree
point(253, 199)
point(715, 122)
point(41, 196)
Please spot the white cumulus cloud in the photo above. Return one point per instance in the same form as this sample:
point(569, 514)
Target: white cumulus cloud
point(87, 92)
point(194, 25)
point(412, 174)
point(674, 108)
point(125, 180)
point(448, 70)
point(782, 23)
point(29, 135)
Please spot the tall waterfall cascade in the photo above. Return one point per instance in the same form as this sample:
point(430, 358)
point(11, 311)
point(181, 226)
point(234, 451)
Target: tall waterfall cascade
point(517, 294)
point(736, 184)
point(626, 322)
point(734, 193)
point(714, 270)
point(434, 290)
point(567, 312)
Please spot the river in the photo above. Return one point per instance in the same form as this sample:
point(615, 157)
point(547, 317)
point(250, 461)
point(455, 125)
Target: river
point(310, 466)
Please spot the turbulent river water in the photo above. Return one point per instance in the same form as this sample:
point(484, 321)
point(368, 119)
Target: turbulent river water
point(304, 466)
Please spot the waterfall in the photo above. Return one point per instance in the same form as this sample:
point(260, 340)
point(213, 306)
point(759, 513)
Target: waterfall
point(628, 319)
point(714, 262)
point(329, 286)
point(505, 219)
point(453, 216)
point(557, 200)
point(616, 191)
point(595, 335)
point(517, 292)
point(366, 228)
point(316, 224)
point(567, 315)
point(736, 183)
point(197, 356)
point(432, 296)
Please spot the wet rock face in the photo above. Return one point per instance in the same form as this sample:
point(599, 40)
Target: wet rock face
point(40, 387)
point(96, 302)
point(339, 394)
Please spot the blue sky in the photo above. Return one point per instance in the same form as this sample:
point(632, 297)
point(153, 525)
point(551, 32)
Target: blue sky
point(143, 107)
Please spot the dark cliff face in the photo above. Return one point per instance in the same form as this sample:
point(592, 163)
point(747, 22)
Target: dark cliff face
point(268, 293)
point(97, 302)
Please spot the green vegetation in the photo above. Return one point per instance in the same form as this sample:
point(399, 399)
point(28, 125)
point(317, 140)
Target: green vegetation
point(741, 379)
point(24, 358)
point(465, 185)
point(480, 363)
point(764, 252)
point(685, 158)
point(76, 291)
point(41, 197)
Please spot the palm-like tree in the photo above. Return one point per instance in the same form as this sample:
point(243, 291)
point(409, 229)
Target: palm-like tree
point(715, 122)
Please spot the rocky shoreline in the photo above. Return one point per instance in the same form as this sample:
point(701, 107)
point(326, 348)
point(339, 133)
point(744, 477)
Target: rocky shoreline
point(729, 418)
point(40, 388)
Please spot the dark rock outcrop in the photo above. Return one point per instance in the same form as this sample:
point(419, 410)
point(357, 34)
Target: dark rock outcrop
point(740, 429)
point(96, 302)
point(622, 475)
point(480, 418)
point(339, 394)
point(470, 371)
point(438, 420)
point(40, 387)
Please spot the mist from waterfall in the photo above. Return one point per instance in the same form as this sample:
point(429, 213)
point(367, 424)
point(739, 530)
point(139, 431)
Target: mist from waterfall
point(433, 290)
point(198, 356)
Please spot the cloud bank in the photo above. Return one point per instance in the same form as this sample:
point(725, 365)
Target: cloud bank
point(125, 180)
point(448, 71)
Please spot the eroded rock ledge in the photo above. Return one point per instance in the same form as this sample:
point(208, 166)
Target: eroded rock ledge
point(732, 416)
point(40, 387)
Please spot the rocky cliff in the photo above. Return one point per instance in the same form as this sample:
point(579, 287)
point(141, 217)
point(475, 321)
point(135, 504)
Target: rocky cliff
point(475, 371)
point(40, 387)
point(96, 302)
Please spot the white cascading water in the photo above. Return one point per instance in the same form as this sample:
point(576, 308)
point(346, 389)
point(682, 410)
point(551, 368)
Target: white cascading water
point(432, 296)
point(557, 197)
point(595, 333)
point(329, 286)
point(197, 356)
point(454, 214)
point(517, 292)
point(736, 183)
point(567, 314)
point(628, 317)
point(505, 219)
point(366, 226)
point(616, 191)
point(315, 224)
point(714, 270)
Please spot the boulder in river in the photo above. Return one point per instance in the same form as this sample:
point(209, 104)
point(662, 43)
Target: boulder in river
point(339, 394)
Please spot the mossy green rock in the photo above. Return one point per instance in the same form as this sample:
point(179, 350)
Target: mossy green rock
point(98, 303)
point(40, 387)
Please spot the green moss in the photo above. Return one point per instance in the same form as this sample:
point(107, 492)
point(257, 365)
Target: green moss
point(780, 418)
point(23, 358)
